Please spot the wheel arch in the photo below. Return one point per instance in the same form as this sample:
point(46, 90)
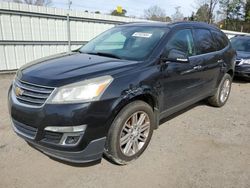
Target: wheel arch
point(148, 98)
point(230, 72)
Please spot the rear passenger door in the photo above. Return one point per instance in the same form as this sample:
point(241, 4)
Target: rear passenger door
point(207, 59)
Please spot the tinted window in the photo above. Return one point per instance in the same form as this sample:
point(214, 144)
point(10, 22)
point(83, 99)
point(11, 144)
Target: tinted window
point(221, 39)
point(204, 40)
point(241, 44)
point(181, 41)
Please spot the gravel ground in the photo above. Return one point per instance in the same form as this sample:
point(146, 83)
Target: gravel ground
point(201, 147)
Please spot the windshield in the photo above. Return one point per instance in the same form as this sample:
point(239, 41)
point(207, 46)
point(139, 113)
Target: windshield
point(130, 43)
point(241, 44)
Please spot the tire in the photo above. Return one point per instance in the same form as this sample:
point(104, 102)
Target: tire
point(218, 100)
point(117, 147)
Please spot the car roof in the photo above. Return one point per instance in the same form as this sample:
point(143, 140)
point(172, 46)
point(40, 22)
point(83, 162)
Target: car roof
point(171, 24)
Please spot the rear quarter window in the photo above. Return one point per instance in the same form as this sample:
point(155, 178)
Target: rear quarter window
point(204, 41)
point(221, 39)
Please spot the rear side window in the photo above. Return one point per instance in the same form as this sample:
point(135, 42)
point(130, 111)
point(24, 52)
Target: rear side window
point(204, 41)
point(221, 39)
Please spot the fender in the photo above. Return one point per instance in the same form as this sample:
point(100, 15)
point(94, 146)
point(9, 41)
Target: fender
point(144, 93)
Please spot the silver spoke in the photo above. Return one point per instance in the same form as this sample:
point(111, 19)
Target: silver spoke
point(124, 139)
point(135, 145)
point(134, 119)
point(141, 119)
point(225, 91)
point(142, 138)
point(144, 127)
point(127, 128)
point(134, 133)
point(128, 147)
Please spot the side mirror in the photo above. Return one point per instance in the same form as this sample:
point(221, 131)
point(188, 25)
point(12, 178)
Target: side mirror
point(176, 56)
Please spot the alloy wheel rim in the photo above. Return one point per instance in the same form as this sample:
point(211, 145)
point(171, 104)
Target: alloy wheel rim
point(225, 91)
point(135, 133)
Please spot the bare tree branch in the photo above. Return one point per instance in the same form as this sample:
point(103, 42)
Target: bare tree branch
point(155, 13)
point(34, 2)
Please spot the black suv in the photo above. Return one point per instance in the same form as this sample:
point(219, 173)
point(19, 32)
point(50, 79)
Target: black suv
point(109, 95)
point(242, 45)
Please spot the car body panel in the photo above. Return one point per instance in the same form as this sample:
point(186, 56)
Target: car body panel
point(242, 69)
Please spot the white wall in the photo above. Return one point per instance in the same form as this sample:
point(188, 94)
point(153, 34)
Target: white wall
point(29, 32)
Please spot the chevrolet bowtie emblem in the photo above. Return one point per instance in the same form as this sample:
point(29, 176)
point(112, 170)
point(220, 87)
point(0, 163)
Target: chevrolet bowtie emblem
point(18, 91)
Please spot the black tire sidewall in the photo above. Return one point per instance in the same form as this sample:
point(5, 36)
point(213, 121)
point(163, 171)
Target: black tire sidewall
point(117, 126)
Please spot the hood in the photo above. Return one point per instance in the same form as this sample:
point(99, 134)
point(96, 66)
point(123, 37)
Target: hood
point(66, 68)
point(243, 55)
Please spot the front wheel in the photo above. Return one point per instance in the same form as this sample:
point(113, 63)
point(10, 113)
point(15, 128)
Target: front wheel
point(222, 94)
point(130, 133)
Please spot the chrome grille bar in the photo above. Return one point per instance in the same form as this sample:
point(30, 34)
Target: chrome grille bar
point(31, 94)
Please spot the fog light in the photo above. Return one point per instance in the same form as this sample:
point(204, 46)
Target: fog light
point(71, 134)
point(72, 139)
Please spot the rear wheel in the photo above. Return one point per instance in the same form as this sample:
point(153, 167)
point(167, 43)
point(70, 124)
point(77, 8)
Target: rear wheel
point(222, 94)
point(130, 133)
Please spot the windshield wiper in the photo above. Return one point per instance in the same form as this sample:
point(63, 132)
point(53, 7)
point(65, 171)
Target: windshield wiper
point(104, 54)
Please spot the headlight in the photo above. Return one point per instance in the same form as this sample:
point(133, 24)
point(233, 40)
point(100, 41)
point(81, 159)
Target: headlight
point(245, 61)
point(85, 91)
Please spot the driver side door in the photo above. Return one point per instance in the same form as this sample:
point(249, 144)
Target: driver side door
point(180, 78)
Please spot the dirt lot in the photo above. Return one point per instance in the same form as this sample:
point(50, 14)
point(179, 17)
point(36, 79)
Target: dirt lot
point(201, 147)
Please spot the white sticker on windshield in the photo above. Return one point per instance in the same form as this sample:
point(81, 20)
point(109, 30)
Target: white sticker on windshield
point(143, 35)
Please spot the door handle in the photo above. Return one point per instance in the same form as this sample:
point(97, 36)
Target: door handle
point(198, 67)
point(220, 61)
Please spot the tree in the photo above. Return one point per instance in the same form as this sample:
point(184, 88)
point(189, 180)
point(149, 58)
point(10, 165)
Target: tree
point(168, 19)
point(35, 2)
point(211, 7)
point(202, 14)
point(97, 12)
point(115, 13)
point(177, 16)
point(208, 6)
point(233, 11)
point(247, 11)
point(192, 17)
point(156, 13)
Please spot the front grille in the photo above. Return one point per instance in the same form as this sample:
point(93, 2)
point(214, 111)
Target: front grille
point(24, 130)
point(52, 137)
point(31, 94)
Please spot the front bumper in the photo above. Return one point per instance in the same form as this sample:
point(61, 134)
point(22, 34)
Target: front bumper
point(242, 71)
point(30, 123)
point(92, 152)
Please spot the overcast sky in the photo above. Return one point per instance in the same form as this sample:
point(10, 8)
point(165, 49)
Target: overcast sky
point(134, 7)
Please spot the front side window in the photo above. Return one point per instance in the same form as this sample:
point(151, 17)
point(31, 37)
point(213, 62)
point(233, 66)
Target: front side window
point(130, 43)
point(180, 44)
point(204, 40)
